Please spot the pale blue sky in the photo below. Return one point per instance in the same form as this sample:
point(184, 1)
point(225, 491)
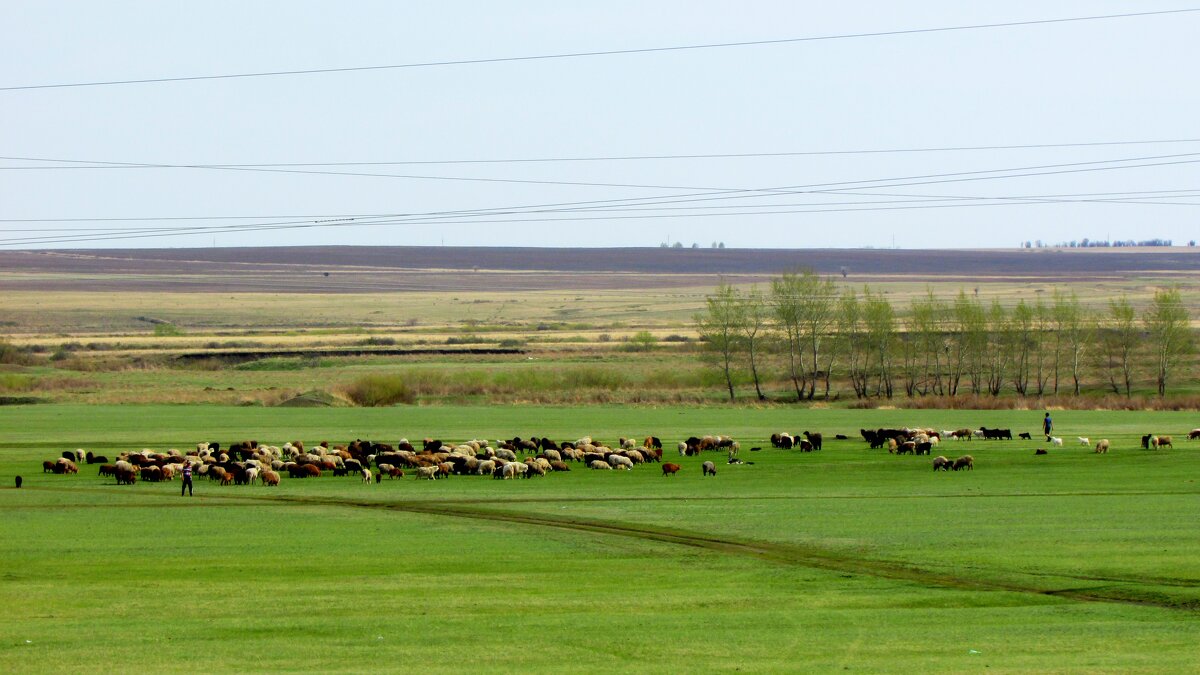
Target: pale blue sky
point(1129, 79)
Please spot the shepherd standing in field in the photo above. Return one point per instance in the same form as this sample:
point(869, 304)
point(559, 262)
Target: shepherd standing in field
point(1047, 426)
point(187, 480)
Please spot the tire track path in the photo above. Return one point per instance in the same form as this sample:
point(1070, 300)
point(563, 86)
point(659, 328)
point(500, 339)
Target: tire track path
point(787, 554)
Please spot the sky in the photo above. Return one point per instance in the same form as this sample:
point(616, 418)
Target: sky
point(848, 136)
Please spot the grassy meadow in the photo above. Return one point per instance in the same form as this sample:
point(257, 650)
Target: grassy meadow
point(844, 559)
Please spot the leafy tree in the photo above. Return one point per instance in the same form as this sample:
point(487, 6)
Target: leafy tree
point(1070, 336)
point(1170, 335)
point(804, 307)
point(880, 321)
point(851, 330)
point(1118, 342)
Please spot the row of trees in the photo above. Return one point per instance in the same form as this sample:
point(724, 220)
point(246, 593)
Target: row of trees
point(820, 337)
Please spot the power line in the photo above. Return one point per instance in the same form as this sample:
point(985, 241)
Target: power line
point(610, 52)
point(702, 190)
point(618, 158)
point(592, 206)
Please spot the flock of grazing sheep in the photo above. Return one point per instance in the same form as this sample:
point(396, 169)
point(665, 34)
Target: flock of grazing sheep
point(248, 462)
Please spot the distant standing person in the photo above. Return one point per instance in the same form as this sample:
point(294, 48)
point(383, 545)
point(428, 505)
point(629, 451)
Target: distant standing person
point(1047, 426)
point(187, 480)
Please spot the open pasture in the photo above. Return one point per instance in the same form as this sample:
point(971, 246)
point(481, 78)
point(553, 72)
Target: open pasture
point(845, 558)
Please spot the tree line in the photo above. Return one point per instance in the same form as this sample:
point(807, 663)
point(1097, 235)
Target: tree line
point(820, 339)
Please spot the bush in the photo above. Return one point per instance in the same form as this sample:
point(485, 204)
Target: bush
point(378, 341)
point(642, 341)
point(511, 343)
point(373, 391)
point(166, 329)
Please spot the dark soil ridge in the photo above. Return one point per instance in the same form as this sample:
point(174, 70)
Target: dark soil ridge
point(969, 262)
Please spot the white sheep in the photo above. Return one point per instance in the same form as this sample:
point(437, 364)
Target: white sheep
point(1084, 442)
point(599, 464)
point(429, 472)
point(1056, 440)
point(620, 462)
point(366, 475)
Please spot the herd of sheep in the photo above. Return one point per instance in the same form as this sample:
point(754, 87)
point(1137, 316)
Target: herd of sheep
point(248, 462)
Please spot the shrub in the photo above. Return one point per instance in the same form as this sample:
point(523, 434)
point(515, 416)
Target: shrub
point(166, 329)
point(374, 391)
point(642, 341)
point(378, 341)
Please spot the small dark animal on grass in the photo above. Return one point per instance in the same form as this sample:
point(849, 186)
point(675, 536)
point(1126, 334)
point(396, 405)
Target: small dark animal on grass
point(18, 482)
point(841, 437)
point(755, 449)
point(1040, 451)
point(1025, 436)
point(670, 469)
point(735, 460)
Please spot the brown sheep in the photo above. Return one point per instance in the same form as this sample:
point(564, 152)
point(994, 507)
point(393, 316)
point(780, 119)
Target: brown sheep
point(48, 467)
point(1102, 446)
point(270, 478)
point(1163, 441)
point(965, 462)
point(941, 463)
point(669, 469)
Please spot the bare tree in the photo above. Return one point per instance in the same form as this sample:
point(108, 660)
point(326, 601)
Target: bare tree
point(1170, 333)
point(753, 331)
point(999, 347)
point(720, 326)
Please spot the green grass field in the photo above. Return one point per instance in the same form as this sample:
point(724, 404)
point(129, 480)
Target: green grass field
point(846, 559)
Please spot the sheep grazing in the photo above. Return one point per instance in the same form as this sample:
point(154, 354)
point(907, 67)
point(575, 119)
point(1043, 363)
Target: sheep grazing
point(1056, 441)
point(1193, 434)
point(366, 476)
point(1102, 446)
point(269, 477)
point(429, 472)
point(669, 469)
point(682, 448)
point(941, 463)
point(815, 439)
point(1084, 442)
point(965, 462)
point(1163, 441)
point(708, 469)
point(1040, 451)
